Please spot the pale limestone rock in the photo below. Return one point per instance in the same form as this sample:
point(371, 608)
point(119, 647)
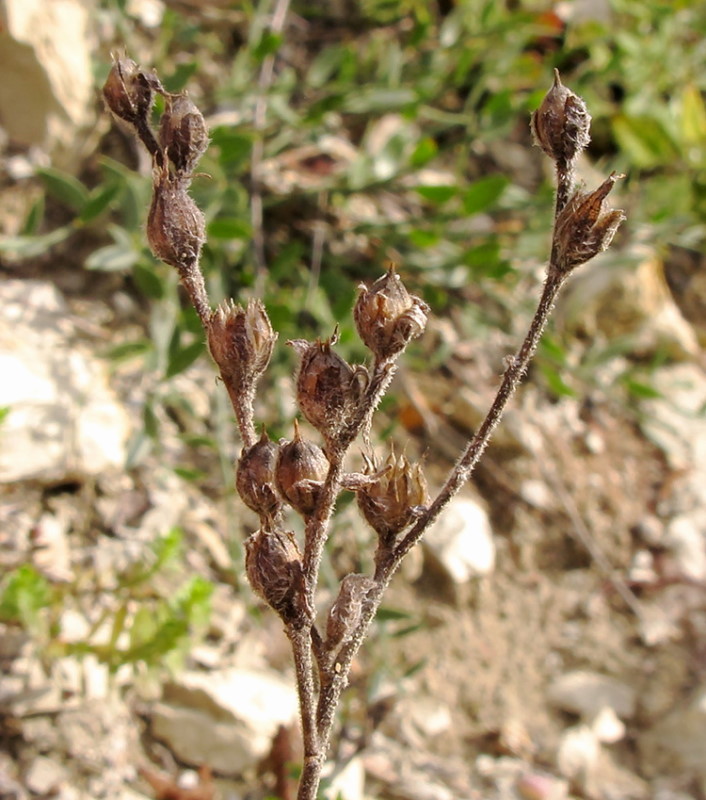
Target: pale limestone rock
point(461, 541)
point(225, 719)
point(63, 418)
point(587, 693)
point(47, 92)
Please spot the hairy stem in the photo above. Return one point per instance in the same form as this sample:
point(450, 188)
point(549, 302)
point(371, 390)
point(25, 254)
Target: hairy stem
point(242, 401)
point(192, 280)
point(564, 184)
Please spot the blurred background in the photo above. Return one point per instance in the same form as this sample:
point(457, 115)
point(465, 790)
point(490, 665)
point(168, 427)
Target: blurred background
point(549, 639)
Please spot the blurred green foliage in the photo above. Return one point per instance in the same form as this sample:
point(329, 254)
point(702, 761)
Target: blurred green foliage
point(153, 617)
point(389, 131)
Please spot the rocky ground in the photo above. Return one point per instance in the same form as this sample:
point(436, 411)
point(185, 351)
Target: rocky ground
point(547, 642)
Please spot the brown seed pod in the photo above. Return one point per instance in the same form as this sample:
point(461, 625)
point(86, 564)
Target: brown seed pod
point(328, 388)
point(241, 341)
point(129, 91)
point(561, 124)
point(585, 228)
point(346, 610)
point(182, 133)
point(300, 471)
point(387, 317)
point(273, 567)
point(255, 477)
point(395, 500)
point(176, 229)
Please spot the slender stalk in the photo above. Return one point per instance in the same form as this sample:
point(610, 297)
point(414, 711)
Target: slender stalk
point(304, 667)
point(242, 402)
point(514, 372)
point(564, 184)
point(192, 280)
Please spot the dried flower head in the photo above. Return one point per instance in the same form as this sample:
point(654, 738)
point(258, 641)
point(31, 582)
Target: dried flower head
point(182, 133)
point(346, 610)
point(387, 316)
point(129, 91)
point(273, 567)
point(585, 227)
point(241, 341)
point(300, 471)
point(395, 500)
point(176, 230)
point(255, 477)
point(328, 388)
point(561, 124)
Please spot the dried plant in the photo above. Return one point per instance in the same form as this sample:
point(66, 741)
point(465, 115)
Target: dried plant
point(338, 399)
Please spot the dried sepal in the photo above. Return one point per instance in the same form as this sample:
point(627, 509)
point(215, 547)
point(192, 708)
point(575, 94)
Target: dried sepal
point(300, 471)
point(396, 499)
point(241, 341)
point(176, 230)
point(329, 389)
point(387, 317)
point(346, 610)
point(273, 566)
point(585, 228)
point(182, 133)
point(561, 124)
point(255, 477)
point(129, 91)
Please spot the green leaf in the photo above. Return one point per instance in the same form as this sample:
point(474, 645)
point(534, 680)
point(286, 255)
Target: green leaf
point(34, 217)
point(555, 382)
point(268, 45)
point(128, 350)
point(425, 150)
point(33, 246)
point(229, 228)
point(437, 194)
point(180, 77)
point(148, 281)
point(117, 257)
point(642, 391)
point(183, 358)
point(99, 201)
point(64, 187)
point(484, 194)
point(693, 123)
point(374, 100)
point(4, 413)
point(644, 140)
point(23, 595)
point(388, 614)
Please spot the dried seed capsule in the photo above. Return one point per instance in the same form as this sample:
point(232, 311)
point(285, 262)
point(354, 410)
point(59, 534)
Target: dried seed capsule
point(273, 567)
point(300, 470)
point(328, 388)
point(255, 477)
point(561, 124)
point(176, 230)
point(129, 91)
point(182, 133)
point(387, 316)
point(394, 501)
point(345, 612)
point(585, 228)
point(241, 341)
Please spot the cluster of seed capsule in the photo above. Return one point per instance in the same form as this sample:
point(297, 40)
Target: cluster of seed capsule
point(335, 397)
point(330, 391)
